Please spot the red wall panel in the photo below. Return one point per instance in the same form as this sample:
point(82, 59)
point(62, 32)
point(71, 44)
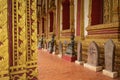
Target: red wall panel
point(97, 12)
point(78, 17)
point(66, 15)
point(51, 21)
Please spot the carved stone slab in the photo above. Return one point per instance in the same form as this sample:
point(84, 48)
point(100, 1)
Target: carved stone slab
point(93, 54)
point(45, 44)
point(109, 55)
point(79, 51)
point(60, 48)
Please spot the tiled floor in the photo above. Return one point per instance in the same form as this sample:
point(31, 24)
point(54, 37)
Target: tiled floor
point(51, 67)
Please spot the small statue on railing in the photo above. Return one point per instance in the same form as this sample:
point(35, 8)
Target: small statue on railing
point(51, 44)
point(40, 43)
point(70, 49)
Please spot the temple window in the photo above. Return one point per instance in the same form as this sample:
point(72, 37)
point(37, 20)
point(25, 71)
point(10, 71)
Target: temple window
point(97, 12)
point(66, 15)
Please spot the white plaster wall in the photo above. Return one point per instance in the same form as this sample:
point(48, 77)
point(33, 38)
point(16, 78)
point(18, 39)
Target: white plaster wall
point(75, 15)
point(86, 12)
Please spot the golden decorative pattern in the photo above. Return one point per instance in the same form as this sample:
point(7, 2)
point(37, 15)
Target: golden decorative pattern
point(31, 40)
point(24, 50)
point(22, 27)
point(107, 11)
point(4, 60)
point(18, 70)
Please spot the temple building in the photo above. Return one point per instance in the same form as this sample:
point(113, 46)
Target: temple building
point(85, 32)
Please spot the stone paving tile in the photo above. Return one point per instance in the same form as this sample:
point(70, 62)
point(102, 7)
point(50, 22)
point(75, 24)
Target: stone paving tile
point(52, 67)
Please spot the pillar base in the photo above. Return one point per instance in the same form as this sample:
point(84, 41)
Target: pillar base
point(79, 62)
point(110, 74)
point(94, 68)
point(69, 58)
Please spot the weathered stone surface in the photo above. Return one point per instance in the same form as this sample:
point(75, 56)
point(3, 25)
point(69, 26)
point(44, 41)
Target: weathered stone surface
point(45, 45)
point(93, 54)
point(109, 55)
point(79, 51)
point(60, 48)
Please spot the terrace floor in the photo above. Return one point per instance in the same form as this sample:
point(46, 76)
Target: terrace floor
point(51, 67)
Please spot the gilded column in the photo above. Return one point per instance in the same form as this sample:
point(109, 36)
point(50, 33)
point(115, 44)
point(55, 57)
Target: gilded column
point(58, 19)
point(17, 68)
point(72, 16)
point(32, 40)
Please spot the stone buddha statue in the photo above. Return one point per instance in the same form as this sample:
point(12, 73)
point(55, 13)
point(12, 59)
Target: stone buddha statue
point(40, 43)
point(51, 44)
point(70, 49)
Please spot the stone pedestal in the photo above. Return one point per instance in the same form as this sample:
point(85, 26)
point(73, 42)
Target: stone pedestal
point(93, 58)
point(45, 50)
point(94, 68)
point(53, 53)
point(110, 74)
point(69, 58)
point(79, 62)
point(110, 59)
point(60, 55)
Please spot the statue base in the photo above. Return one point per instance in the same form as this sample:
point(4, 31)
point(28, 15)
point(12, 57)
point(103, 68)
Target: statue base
point(45, 50)
point(69, 57)
point(79, 62)
point(60, 55)
point(53, 53)
point(93, 68)
point(110, 74)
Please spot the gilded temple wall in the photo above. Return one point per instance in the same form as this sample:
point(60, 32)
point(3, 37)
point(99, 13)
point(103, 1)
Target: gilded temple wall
point(4, 58)
point(17, 69)
point(20, 62)
point(31, 40)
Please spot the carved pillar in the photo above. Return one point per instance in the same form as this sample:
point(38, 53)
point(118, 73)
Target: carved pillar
point(17, 66)
point(40, 26)
point(72, 16)
point(58, 20)
point(54, 21)
point(80, 20)
point(43, 25)
point(31, 32)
